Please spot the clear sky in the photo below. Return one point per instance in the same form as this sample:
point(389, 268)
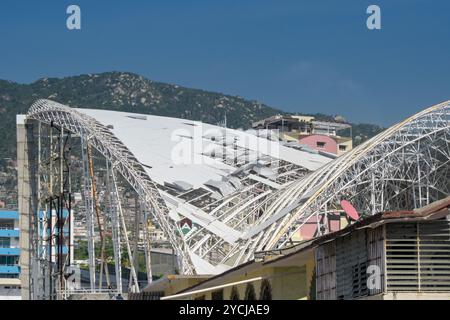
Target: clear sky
point(300, 56)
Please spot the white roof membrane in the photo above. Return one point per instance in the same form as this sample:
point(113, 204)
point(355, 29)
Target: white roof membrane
point(170, 149)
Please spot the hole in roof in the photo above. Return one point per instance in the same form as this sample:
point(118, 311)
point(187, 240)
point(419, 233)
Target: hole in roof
point(183, 136)
point(190, 124)
point(137, 117)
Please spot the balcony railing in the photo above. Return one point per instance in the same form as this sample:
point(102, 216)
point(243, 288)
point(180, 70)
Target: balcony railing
point(9, 269)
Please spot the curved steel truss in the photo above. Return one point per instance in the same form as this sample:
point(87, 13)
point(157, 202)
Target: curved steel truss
point(406, 166)
point(122, 160)
point(213, 244)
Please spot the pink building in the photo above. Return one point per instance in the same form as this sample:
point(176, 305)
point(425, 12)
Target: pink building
point(309, 229)
point(320, 142)
point(331, 137)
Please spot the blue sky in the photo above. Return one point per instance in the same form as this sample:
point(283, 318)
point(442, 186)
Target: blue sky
point(301, 56)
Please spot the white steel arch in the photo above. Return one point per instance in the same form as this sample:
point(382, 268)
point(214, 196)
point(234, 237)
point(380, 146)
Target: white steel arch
point(404, 167)
point(213, 244)
point(122, 160)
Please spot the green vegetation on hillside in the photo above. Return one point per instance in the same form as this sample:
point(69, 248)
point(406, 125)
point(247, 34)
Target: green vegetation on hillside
point(133, 93)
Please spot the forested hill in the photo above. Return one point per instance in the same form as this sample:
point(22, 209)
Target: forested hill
point(134, 93)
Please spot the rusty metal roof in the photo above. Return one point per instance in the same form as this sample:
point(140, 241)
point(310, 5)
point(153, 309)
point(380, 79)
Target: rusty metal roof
point(435, 210)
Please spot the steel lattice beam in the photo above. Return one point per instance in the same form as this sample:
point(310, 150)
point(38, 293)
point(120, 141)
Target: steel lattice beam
point(123, 161)
point(404, 166)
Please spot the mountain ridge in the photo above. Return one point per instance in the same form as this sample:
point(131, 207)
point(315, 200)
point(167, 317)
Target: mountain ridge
point(130, 92)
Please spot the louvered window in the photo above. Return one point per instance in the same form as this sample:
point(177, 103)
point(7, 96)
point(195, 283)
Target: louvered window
point(418, 256)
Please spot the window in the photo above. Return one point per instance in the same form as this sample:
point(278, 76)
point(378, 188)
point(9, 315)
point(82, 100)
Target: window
point(320, 144)
point(423, 256)
point(217, 295)
point(9, 276)
point(234, 294)
point(5, 242)
point(7, 224)
point(266, 291)
point(8, 260)
point(250, 292)
point(342, 148)
point(351, 266)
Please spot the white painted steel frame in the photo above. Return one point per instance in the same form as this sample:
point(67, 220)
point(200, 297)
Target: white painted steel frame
point(404, 166)
point(123, 161)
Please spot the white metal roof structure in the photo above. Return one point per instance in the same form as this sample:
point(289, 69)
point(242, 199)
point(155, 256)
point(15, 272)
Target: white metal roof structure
point(158, 144)
point(217, 178)
point(243, 193)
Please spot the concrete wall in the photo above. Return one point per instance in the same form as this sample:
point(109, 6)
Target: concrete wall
point(348, 146)
point(287, 283)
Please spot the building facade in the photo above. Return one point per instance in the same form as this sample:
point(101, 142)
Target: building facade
point(403, 255)
point(9, 256)
point(330, 137)
point(394, 255)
